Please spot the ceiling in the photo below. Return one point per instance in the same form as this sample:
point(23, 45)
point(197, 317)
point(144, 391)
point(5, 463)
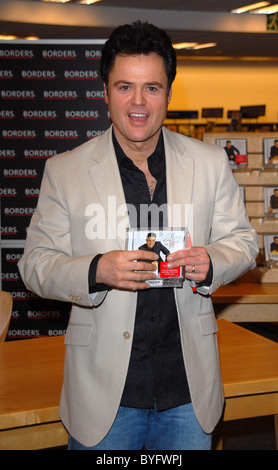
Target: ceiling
point(238, 37)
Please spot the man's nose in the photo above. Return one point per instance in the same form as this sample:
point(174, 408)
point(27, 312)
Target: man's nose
point(138, 97)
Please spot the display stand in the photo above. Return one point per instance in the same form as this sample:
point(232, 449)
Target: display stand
point(254, 297)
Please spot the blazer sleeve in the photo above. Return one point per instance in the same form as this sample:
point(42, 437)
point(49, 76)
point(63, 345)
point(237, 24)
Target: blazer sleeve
point(233, 245)
point(48, 266)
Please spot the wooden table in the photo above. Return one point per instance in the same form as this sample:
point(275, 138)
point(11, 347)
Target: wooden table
point(249, 366)
point(31, 376)
point(31, 380)
point(247, 302)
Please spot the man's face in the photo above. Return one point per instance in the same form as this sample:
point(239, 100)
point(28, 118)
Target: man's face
point(150, 242)
point(137, 98)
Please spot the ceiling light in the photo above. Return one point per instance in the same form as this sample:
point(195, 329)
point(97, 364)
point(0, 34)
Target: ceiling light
point(87, 2)
point(57, 1)
point(83, 2)
point(251, 7)
point(11, 37)
point(7, 37)
point(193, 45)
point(204, 46)
point(32, 38)
point(268, 10)
point(184, 45)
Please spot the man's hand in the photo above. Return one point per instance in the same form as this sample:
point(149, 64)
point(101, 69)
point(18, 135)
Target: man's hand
point(195, 260)
point(118, 270)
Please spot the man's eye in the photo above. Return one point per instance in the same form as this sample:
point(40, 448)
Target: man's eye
point(152, 89)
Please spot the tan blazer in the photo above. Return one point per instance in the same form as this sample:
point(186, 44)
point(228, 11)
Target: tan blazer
point(82, 187)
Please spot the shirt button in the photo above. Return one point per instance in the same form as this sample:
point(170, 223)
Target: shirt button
point(154, 351)
point(153, 319)
point(126, 335)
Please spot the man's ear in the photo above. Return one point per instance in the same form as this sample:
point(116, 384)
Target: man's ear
point(105, 93)
point(170, 95)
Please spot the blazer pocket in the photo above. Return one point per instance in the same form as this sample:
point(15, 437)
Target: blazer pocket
point(78, 335)
point(208, 323)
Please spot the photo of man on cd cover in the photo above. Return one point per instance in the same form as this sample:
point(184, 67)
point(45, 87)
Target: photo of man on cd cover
point(162, 242)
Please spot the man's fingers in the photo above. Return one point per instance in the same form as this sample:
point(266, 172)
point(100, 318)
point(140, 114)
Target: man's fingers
point(124, 269)
point(147, 255)
point(195, 260)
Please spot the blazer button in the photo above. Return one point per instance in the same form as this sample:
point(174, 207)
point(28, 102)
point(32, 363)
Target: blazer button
point(75, 298)
point(126, 335)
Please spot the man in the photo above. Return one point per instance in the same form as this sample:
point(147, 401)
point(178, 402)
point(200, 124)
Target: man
point(231, 151)
point(274, 152)
point(156, 247)
point(274, 245)
point(141, 364)
point(274, 199)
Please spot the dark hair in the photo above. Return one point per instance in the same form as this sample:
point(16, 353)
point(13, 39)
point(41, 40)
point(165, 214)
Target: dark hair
point(138, 38)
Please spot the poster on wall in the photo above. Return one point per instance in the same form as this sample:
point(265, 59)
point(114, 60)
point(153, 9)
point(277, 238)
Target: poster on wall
point(236, 150)
point(271, 152)
point(271, 249)
point(31, 315)
point(271, 201)
point(52, 100)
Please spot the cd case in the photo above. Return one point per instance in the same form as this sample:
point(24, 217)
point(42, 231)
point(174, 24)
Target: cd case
point(271, 250)
point(162, 242)
point(236, 150)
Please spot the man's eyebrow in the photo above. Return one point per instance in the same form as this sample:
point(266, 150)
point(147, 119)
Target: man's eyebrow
point(126, 82)
point(158, 84)
point(122, 81)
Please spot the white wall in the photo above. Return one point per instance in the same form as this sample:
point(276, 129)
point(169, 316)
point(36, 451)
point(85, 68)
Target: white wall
point(226, 84)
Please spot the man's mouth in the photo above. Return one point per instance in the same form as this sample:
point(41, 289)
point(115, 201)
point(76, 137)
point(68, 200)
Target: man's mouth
point(138, 116)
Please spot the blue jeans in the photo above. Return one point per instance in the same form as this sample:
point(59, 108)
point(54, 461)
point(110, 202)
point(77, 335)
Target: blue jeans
point(133, 429)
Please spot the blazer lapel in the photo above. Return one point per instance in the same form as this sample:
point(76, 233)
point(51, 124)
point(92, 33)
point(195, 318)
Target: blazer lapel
point(106, 179)
point(179, 175)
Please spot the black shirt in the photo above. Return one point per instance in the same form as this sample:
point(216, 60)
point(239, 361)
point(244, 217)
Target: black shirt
point(156, 373)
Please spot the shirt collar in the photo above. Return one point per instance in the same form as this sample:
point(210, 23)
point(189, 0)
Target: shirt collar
point(156, 159)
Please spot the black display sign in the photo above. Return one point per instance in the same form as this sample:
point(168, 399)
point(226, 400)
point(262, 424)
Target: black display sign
point(182, 115)
point(51, 100)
